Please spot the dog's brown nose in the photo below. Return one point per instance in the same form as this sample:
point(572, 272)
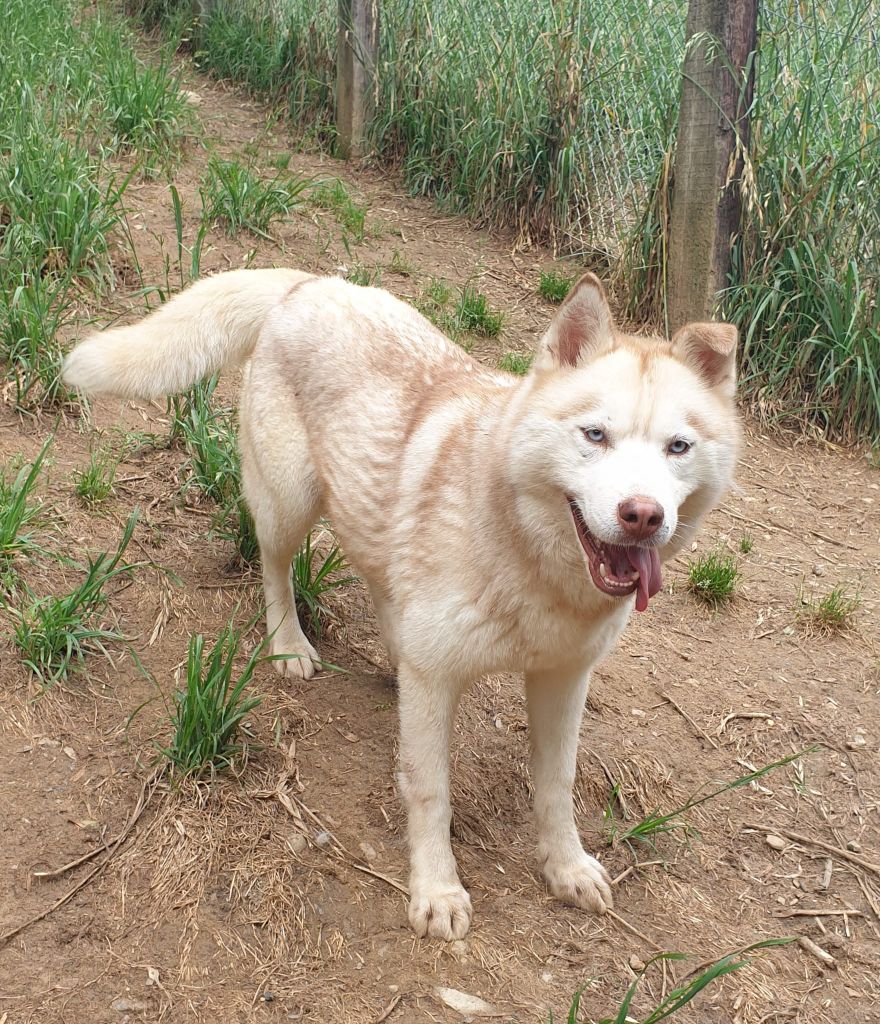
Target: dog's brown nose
point(640, 517)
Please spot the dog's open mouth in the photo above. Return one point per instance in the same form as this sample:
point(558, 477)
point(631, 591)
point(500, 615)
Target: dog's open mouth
point(619, 569)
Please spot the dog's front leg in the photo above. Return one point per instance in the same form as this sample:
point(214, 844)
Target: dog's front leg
point(556, 703)
point(438, 905)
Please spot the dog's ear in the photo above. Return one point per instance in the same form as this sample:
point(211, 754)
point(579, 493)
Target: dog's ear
point(581, 328)
point(710, 351)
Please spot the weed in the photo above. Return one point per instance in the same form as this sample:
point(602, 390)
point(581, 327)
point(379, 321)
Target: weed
point(360, 273)
point(832, 613)
point(18, 510)
point(314, 576)
point(473, 314)
point(94, 484)
point(657, 824)
point(682, 994)
point(554, 287)
point(209, 712)
point(746, 543)
point(54, 634)
point(349, 215)
point(146, 109)
point(515, 362)
point(401, 265)
point(712, 577)
point(234, 195)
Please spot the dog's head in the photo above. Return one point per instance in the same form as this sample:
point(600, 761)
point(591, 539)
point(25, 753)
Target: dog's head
point(629, 439)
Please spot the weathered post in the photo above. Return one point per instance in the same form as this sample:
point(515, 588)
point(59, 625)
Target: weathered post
point(357, 53)
point(717, 89)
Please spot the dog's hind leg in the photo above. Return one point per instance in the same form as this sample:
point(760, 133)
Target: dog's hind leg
point(556, 704)
point(282, 491)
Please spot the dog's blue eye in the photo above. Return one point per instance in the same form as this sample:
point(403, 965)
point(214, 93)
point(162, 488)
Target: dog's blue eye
point(595, 435)
point(678, 447)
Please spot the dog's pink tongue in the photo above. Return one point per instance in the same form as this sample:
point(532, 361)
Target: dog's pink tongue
point(647, 561)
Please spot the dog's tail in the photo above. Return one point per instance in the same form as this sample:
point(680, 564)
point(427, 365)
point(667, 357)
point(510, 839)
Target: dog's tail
point(214, 323)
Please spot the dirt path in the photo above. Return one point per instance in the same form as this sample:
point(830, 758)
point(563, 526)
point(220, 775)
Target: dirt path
point(242, 900)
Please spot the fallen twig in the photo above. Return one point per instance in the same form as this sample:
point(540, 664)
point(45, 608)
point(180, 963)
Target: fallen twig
point(389, 1009)
point(698, 729)
point(837, 851)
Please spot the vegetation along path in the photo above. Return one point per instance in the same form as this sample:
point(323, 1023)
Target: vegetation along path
point(274, 890)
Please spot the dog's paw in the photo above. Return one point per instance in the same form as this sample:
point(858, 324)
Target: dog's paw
point(295, 659)
point(581, 881)
point(440, 911)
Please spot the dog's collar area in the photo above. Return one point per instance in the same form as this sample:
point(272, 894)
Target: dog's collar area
point(618, 569)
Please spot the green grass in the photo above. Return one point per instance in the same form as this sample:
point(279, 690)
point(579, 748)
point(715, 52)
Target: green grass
point(54, 634)
point(314, 576)
point(712, 577)
point(236, 196)
point(350, 215)
point(515, 362)
point(554, 287)
point(401, 264)
point(466, 314)
point(20, 512)
point(209, 713)
point(832, 613)
point(682, 994)
point(656, 824)
point(94, 484)
point(474, 315)
point(746, 543)
point(360, 273)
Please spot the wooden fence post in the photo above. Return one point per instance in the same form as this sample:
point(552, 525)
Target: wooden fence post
point(357, 53)
point(706, 199)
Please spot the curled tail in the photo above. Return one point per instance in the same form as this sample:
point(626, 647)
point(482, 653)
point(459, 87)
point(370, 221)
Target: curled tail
point(211, 324)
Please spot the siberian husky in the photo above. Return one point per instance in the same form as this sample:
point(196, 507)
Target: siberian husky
point(500, 523)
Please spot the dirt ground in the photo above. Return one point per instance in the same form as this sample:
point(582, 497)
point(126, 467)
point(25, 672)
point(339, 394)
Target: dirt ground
point(277, 895)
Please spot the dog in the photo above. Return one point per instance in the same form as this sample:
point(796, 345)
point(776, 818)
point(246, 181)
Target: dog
point(500, 523)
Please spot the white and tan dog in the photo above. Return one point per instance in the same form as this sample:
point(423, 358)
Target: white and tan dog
point(501, 524)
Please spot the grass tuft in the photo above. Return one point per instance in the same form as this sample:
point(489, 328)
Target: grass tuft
point(833, 613)
point(54, 634)
point(234, 195)
point(349, 215)
point(473, 315)
point(209, 711)
point(18, 509)
point(554, 287)
point(313, 577)
point(746, 543)
point(515, 362)
point(94, 484)
point(712, 577)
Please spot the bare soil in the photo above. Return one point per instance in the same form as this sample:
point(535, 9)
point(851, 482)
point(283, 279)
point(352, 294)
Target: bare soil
point(275, 895)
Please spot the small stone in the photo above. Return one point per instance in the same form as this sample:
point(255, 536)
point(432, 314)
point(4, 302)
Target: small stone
point(856, 742)
point(818, 569)
point(267, 997)
point(369, 852)
point(853, 846)
point(635, 963)
point(464, 1003)
point(322, 839)
point(546, 977)
point(637, 713)
point(297, 843)
point(775, 842)
point(125, 1005)
point(459, 949)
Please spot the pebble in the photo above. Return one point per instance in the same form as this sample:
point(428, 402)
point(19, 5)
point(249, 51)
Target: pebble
point(775, 842)
point(635, 963)
point(322, 839)
point(123, 1005)
point(297, 843)
point(818, 569)
point(853, 846)
point(464, 1003)
point(638, 713)
point(369, 852)
point(856, 742)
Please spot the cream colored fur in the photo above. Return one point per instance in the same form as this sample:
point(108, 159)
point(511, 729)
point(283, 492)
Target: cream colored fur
point(449, 487)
